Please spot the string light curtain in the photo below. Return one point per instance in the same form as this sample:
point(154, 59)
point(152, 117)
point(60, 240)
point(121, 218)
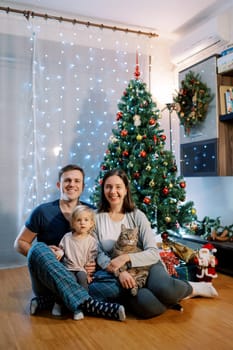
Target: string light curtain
point(60, 85)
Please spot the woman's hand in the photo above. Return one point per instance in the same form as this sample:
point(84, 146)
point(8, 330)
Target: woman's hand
point(126, 280)
point(117, 263)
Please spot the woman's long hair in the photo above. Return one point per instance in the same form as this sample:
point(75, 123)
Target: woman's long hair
point(128, 203)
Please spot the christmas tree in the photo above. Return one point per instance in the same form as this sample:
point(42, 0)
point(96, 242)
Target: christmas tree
point(137, 145)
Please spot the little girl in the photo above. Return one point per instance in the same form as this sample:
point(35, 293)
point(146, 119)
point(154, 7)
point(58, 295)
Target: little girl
point(78, 248)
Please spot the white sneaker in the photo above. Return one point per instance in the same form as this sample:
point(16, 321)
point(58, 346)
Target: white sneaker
point(78, 315)
point(57, 310)
point(33, 306)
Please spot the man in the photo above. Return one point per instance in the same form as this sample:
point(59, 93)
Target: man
point(50, 279)
point(49, 222)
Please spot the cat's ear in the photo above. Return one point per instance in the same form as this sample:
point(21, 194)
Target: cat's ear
point(122, 227)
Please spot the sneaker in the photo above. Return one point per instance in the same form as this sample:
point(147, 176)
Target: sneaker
point(33, 306)
point(57, 310)
point(42, 302)
point(78, 315)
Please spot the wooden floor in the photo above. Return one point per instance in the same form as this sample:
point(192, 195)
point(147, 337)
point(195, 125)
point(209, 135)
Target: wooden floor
point(204, 324)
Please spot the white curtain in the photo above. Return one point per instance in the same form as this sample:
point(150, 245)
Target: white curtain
point(60, 86)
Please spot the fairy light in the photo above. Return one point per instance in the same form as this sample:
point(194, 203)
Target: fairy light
point(75, 94)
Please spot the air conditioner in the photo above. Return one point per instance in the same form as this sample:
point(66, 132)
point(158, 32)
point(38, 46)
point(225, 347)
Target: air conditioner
point(208, 39)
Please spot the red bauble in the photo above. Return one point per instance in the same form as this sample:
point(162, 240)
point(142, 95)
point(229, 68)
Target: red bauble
point(163, 137)
point(165, 191)
point(124, 133)
point(125, 153)
point(136, 175)
point(147, 200)
point(182, 184)
point(103, 167)
point(152, 121)
point(143, 154)
point(155, 138)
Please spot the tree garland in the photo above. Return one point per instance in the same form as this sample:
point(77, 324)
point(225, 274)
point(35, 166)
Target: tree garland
point(192, 101)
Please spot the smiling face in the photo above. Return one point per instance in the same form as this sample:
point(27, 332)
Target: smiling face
point(115, 191)
point(71, 185)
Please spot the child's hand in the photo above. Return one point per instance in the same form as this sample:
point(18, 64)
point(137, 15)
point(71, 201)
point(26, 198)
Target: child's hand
point(58, 252)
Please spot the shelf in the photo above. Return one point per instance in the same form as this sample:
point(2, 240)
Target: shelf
point(226, 117)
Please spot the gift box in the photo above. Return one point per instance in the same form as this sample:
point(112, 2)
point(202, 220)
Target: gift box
point(187, 272)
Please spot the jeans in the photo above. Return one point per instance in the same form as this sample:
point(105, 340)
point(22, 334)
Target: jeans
point(161, 291)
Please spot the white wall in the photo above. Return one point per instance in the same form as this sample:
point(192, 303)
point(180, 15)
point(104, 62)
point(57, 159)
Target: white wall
point(212, 196)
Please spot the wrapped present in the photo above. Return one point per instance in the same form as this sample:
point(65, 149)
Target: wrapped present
point(171, 261)
point(187, 272)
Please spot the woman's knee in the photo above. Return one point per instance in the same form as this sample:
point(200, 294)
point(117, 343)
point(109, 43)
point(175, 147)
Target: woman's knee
point(146, 305)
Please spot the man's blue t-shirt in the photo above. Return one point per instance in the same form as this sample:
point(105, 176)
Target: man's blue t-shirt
point(49, 223)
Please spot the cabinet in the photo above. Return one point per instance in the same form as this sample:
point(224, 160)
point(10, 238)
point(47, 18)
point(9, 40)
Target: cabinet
point(225, 128)
point(208, 150)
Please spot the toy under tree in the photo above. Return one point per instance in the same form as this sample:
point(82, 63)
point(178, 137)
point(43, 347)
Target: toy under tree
point(137, 146)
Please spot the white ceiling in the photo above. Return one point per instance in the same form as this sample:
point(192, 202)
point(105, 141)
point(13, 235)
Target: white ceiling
point(168, 18)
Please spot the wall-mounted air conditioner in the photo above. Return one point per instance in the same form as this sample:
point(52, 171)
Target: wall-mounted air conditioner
point(208, 39)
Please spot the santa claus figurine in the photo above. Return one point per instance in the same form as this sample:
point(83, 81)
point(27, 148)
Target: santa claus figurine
point(206, 262)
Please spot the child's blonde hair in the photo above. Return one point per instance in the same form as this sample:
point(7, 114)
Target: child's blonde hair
point(79, 209)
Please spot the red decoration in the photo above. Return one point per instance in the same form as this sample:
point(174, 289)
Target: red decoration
point(163, 137)
point(136, 175)
point(206, 263)
point(125, 153)
point(182, 184)
point(155, 138)
point(152, 121)
point(165, 191)
point(119, 116)
point(103, 167)
point(137, 71)
point(143, 154)
point(124, 133)
point(147, 200)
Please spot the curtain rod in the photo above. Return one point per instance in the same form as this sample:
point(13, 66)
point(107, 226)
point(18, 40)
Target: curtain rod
point(27, 14)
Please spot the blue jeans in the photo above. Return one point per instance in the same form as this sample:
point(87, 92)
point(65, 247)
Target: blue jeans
point(161, 292)
point(50, 277)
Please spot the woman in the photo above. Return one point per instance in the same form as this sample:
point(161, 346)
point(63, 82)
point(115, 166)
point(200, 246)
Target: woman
point(161, 290)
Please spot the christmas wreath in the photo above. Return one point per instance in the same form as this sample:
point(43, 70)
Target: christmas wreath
point(192, 101)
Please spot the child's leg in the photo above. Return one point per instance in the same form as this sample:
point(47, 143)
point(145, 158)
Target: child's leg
point(81, 277)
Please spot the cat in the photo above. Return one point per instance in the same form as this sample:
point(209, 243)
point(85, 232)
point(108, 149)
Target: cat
point(127, 243)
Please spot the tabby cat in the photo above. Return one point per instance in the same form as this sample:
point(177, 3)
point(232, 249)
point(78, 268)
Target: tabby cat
point(127, 243)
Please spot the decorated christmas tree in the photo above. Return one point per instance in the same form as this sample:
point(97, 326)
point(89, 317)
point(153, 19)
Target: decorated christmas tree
point(137, 145)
